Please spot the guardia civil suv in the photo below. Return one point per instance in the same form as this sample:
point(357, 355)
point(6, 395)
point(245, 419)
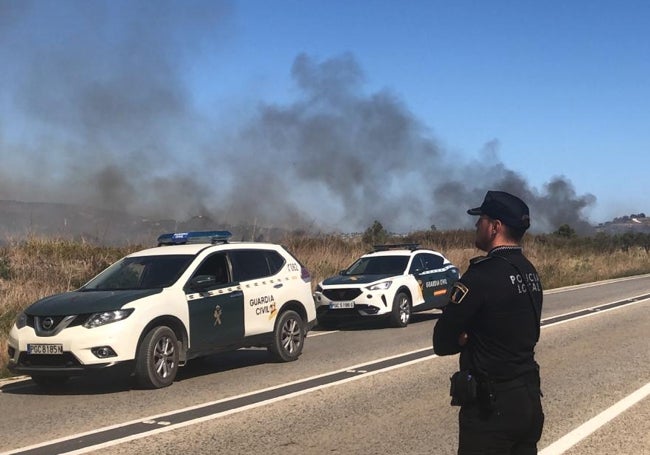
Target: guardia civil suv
point(393, 281)
point(194, 294)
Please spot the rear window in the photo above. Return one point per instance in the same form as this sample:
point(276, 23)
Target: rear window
point(276, 261)
point(255, 264)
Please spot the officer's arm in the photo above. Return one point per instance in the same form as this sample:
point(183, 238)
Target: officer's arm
point(450, 332)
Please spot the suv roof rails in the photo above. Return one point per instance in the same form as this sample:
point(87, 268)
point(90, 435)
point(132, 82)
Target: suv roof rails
point(396, 246)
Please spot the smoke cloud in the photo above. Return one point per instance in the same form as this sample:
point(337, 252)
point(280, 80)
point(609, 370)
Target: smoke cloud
point(99, 112)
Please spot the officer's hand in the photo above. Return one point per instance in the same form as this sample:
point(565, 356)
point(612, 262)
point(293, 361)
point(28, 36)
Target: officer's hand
point(462, 339)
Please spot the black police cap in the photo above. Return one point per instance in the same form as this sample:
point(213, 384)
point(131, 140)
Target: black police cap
point(503, 206)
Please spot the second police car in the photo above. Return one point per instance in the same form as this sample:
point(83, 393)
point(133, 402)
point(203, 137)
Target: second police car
point(157, 308)
point(393, 281)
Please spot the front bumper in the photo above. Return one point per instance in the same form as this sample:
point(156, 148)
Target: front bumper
point(80, 347)
point(66, 365)
point(365, 303)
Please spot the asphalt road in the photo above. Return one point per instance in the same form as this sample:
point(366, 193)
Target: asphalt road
point(352, 404)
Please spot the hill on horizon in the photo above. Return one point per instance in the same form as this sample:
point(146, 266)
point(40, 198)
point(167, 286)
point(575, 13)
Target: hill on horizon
point(20, 220)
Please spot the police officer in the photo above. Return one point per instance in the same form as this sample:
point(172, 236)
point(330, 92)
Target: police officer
point(493, 321)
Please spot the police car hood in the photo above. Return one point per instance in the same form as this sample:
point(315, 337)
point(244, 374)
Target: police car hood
point(81, 302)
point(355, 279)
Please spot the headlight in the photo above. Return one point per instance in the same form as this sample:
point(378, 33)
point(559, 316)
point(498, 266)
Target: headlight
point(21, 320)
point(106, 317)
point(380, 286)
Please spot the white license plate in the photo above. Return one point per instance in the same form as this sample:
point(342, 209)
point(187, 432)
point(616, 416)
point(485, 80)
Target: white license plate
point(45, 348)
point(340, 305)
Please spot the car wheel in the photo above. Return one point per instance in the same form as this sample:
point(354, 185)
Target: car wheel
point(288, 337)
point(49, 382)
point(401, 312)
point(157, 359)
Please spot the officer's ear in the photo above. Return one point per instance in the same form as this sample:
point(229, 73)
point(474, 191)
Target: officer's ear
point(497, 227)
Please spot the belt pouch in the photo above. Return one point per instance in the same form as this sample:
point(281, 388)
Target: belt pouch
point(463, 389)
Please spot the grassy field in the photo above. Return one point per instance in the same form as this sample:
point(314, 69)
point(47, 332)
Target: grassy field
point(38, 267)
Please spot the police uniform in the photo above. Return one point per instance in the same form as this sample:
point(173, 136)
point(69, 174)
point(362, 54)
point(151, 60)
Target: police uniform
point(497, 303)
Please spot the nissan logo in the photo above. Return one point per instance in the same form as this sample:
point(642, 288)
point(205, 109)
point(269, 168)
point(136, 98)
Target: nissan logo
point(48, 323)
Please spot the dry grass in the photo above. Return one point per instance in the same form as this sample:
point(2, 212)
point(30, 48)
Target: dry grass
point(38, 267)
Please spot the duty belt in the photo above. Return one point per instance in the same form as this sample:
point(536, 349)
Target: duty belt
point(528, 378)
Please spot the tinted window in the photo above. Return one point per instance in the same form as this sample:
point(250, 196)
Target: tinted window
point(276, 261)
point(249, 264)
point(217, 266)
point(416, 265)
point(432, 261)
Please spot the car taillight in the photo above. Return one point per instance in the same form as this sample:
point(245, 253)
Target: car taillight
point(304, 274)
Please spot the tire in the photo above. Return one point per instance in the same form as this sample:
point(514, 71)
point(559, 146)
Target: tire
point(400, 315)
point(157, 359)
point(49, 382)
point(288, 337)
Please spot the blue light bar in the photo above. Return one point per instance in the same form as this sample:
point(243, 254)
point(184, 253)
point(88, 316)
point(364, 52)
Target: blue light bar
point(179, 238)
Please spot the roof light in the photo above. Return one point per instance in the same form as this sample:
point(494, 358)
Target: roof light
point(179, 238)
point(396, 246)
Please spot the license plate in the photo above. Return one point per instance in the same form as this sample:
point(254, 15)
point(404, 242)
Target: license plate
point(340, 305)
point(45, 348)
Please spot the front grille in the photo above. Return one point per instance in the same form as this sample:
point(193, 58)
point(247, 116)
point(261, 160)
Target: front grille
point(342, 294)
point(66, 360)
point(53, 320)
point(78, 320)
point(48, 326)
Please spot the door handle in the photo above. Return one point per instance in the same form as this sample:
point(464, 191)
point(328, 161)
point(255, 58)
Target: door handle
point(236, 294)
point(278, 286)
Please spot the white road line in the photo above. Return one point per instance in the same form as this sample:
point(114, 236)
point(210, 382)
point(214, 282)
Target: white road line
point(594, 312)
point(242, 408)
point(556, 448)
point(317, 334)
point(18, 379)
point(570, 439)
point(595, 283)
point(154, 418)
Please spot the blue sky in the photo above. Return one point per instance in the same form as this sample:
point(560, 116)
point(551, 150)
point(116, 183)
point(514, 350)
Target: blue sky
point(544, 90)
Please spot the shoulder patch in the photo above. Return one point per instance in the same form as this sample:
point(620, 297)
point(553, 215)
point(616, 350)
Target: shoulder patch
point(458, 292)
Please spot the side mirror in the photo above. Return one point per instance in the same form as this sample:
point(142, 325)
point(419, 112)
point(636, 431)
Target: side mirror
point(342, 272)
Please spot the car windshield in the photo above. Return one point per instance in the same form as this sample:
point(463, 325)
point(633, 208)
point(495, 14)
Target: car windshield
point(143, 272)
point(379, 265)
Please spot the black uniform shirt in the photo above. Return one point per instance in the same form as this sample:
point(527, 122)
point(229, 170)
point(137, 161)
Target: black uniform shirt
point(492, 305)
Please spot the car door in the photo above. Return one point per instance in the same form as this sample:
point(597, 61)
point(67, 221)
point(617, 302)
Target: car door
point(216, 306)
point(254, 269)
point(429, 271)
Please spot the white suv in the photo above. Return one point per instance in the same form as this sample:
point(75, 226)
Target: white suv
point(157, 308)
point(393, 281)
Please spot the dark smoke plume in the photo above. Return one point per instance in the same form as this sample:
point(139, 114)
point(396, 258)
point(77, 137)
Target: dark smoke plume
point(99, 112)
